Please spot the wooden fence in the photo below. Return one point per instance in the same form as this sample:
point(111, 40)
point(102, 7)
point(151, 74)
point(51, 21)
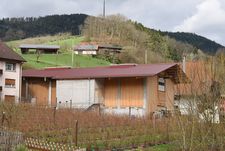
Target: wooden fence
point(43, 145)
point(9, 140)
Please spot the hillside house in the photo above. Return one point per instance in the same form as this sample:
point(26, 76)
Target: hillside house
point(48, 49)
point(139, 89)
point(94, 49)
point(10, 74)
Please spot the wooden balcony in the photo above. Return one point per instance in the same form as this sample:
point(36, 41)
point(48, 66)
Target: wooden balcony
point(1, 72)
point(0, 88)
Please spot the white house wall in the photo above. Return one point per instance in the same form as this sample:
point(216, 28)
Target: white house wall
point(75, 93)
point(11, 75)
point(86, 52)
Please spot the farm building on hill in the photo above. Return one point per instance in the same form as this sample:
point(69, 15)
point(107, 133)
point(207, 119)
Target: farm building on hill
point(50, 49)
point(94, 49)
point(139, 89)
point(10, 74)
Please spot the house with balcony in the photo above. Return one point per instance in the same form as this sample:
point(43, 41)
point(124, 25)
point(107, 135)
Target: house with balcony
point(10, 74)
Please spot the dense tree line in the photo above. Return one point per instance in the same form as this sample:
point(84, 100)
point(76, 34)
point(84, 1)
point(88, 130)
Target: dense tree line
point(197, 41)
point(19, 28)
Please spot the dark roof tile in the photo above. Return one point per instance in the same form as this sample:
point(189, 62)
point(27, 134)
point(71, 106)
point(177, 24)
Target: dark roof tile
point(9, 54)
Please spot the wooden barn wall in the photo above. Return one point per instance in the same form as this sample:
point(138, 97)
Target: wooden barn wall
point(38, 88)
point(162, 98)
point(111, 92)
point(132, 92)
point(170, 94)
point(23, 93)
point(124, 92)
point(53, 93)
point(152, 93)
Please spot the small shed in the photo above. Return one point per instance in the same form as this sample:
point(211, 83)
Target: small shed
point(50, 49)
point(86, 49)
point(94, 49)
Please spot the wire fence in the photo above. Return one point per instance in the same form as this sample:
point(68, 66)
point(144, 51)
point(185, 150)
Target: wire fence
point(9, 140)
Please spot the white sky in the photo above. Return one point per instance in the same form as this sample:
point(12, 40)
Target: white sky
point(204, 17)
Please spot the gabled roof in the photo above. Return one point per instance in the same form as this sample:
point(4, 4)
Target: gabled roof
point(83, 47)
point(39, 46)
point(95, 47)
point(9, 54)
point(116, 71)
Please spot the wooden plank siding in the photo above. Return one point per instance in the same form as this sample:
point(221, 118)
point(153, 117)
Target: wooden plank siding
point(53, 93)
point(170, 94)
point(111, 91)
point(152, 94)
point(161, 98)
point(132, 92)
point(39, 88)
point(23, 93)
point(124, 92)
point(157, 99)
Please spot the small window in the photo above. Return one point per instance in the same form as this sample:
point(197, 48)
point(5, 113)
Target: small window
point(10, 67)
point(161, 84)
point(10, 83)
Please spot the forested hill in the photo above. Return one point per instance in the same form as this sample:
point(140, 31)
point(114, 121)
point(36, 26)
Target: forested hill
point(197, 41)
point(19, 28)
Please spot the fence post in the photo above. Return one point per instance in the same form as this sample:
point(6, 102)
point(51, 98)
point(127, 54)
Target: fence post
point(3, 118)
point(54, 115)
point(130, 112)
point(76, 133)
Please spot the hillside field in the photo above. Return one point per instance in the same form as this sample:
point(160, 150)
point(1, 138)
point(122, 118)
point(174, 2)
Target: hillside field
point(57, 60)
point(64, 58)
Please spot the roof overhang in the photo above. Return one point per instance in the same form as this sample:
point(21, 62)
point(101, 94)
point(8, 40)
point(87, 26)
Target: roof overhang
point(172, 71)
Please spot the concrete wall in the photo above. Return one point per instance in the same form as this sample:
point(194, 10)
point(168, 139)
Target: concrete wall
point(15, 91)
point(75, 93)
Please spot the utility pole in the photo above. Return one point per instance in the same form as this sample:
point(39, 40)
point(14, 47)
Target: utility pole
point(104, 8)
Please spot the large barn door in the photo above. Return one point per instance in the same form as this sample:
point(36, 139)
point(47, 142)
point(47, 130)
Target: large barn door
point(39, 89)
point(111, 91)
point(132, 92)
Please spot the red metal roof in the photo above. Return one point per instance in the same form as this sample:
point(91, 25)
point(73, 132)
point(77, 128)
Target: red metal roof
point(101, 72)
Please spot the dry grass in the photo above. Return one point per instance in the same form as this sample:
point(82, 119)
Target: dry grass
point(102, 131)
point(111, 131)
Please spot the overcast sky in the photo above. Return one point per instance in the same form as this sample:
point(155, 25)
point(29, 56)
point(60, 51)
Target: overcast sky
point(204, 17)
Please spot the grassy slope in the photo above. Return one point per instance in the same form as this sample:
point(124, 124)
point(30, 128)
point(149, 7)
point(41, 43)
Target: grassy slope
point(53, 60)
point(66, 42)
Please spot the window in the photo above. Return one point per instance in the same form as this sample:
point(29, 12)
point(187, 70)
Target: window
point(10, 83)
point(161, 84)
point(10, 67)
